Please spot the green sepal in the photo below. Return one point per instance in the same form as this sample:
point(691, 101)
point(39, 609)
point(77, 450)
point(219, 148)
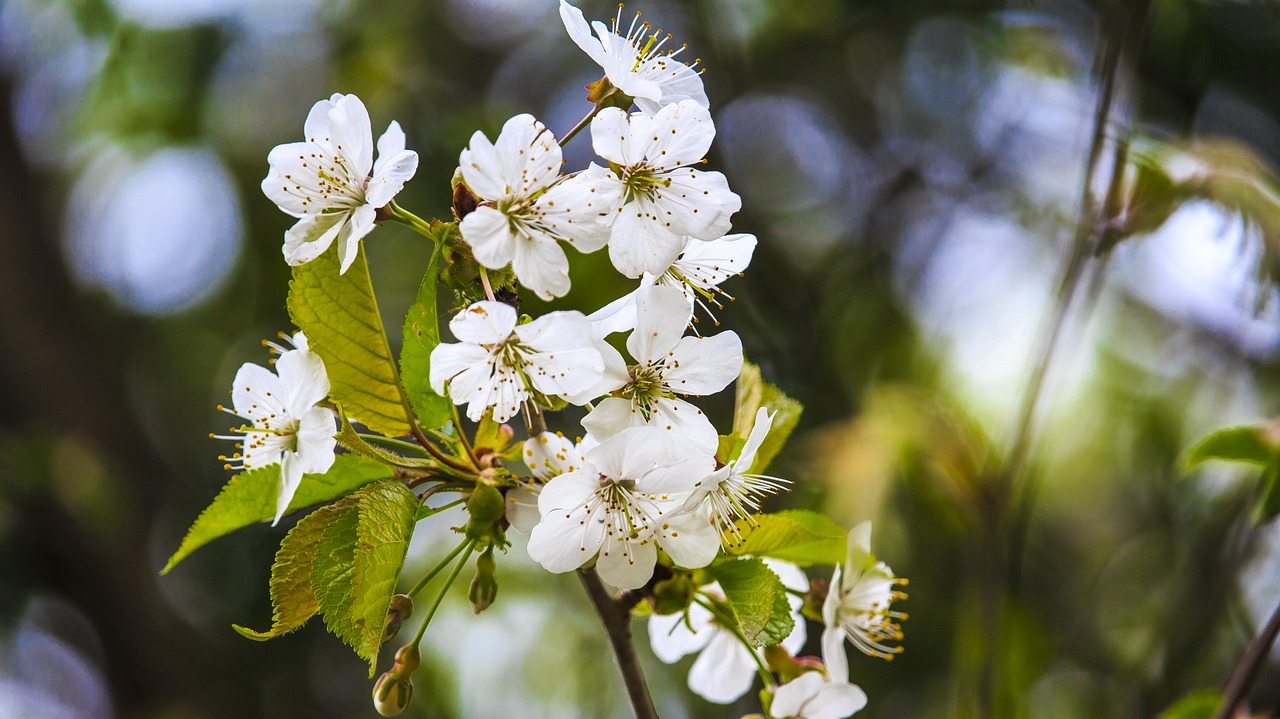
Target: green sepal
point(251, 497)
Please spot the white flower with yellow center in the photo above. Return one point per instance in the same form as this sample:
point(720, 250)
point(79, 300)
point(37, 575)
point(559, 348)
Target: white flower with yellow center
point(325, 181)
point(668, 365)
point(285, 425)
point(733, 492)
point(619, 507)
point(500, 365)
point(637, 63)
point(548, 455)
point(858, 605)
point(526, 208)
point(663, 199)
point(698, 272)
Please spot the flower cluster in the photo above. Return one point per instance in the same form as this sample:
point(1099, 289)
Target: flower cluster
point(653, 498)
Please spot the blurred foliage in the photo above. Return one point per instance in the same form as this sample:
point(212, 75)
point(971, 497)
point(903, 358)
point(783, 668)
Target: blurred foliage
point(913, 172)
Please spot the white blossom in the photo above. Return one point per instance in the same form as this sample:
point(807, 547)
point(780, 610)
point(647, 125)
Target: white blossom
point(285, 425)
point(733, 492)
point(698, 272)
point(636, 63)
point(325, 180)
point(527, 209)
point(724, 669)
point(667, 364)
point(664, 200)
point(813, 696)
point(499, 364)
point(858, 605)
point(619, 507)
point(548, 455)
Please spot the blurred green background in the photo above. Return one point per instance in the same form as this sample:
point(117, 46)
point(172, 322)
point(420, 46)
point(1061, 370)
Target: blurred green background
point(913, 170)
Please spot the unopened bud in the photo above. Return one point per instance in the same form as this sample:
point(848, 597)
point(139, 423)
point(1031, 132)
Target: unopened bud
point(464, 201)
point(485, 506)
point(407, 660)
point(484, 586)
point(400, 609)
point(392, 694)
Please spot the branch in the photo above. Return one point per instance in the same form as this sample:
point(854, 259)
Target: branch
point(1246, 672)
point(618, 626)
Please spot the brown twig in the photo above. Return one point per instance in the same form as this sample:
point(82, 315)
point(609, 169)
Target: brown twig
point(617, 625)
point(1246, 672)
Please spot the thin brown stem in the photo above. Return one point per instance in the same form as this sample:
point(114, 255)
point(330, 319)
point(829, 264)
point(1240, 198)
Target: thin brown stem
point(1246, 672)
point(578, 127)
point(618, 626)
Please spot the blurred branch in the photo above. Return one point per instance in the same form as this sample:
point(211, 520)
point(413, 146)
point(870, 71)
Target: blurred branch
point(1246, 672)
point(616, 621)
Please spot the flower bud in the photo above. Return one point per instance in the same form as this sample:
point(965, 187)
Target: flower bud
point(407, 660)
point(484, 586)
point(392, 693)
point(401, 608)
point(464, 201)
point(485, 505)
point(673, 595)
point(814, 598)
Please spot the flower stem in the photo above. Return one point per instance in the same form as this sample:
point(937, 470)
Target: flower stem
point(488, 288)
point(581, 124)
point(457, 568)
point(617, 625)
point(412, 221)
point(1246, 672)
point(436, 569)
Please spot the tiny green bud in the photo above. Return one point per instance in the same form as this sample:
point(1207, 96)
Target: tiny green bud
point(407, 660)
point(671, 596)
point(484, 586)
point(605, 94)
point(485, 506)
point(401, 608)
point(392, 693)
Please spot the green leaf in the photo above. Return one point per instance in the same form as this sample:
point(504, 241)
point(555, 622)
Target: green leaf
point(388, 512)
point(333, 576)
point(421, 336)
point(251, 497)
point(1234, 444)
point(758, 599)
point(752, 394)
point(795, 535)
point(293, 600)
point(1201, 704)
point(339, 315)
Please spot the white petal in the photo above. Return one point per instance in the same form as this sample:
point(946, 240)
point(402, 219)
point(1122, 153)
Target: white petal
point(530, 155)
point(579, 31)
point(677, 81)
point(627, 565)
point(449, 359)
point(290, 478)
point(565, 373)
point(303, 380)
point(482, 168)
point(316, 128)
point(707, 263)
point(724, 671)
point(610, 131)
point(349, 240)
point(257, 393)
point(491, 238)
point(690, 539)
point(522, 507)
point(550, 454)
point(671, 636)
point(859, 551)
point(675, 478)
point(662, 315)
point(389, 176)
point(790, 699)
point(392, 142)
point(704, 365)
point(291, 181)
point(641, 241)
point(484, 322)
point(312, 235)
point(576, 208)
point(684, 426)
point(836, 700)
point(316, 440)
point(831, 605)
point(833, 654)
point(617, 316)
point(541, 265)
point(759, 430)
point(681, 135)
point(610, 416)
point(626, 455)
point(352, 135)
point(697, 204)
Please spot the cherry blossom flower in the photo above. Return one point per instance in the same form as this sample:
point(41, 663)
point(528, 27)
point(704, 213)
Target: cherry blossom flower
point(698, 272)
point(725, 669)
point(526, 209)
point(325, 180)
point(285, 425)
point(500, 365)
point(667, 364)
point(813, 696)
point(548, 455)
point(664, 200)
point(636, 63)
point(619, 507)
point(857, 605)
point(733, 492)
